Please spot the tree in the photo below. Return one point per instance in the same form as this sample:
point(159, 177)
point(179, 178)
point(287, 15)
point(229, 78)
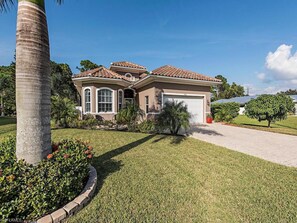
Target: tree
point(6, 86)
point(225, 90)
point(87, 65)
point(7, 89)
point(63, 111)
point(61, 82)
point(269, 107)
point(235, 91)
point(289, 92)
point(225, 112)
point(173, 116)
point(33, 90)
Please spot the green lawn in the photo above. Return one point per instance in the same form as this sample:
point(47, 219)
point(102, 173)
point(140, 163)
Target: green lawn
point(147, 178)
point(7, 126)
point(288, 126)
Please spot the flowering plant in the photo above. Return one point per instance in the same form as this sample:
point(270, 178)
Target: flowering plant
point(28, 192)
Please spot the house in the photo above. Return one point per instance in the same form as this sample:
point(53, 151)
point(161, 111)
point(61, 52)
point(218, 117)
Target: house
point(242, 101)
point(105, 91)
point(245, 99)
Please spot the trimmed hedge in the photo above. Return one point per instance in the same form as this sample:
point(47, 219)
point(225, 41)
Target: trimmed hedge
point(225, 112)
point(28, 192)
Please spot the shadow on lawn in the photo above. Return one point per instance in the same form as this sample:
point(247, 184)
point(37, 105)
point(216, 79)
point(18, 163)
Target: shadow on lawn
point(173, 139)
point(285, 126)
point(105, 165)
point(202, 129)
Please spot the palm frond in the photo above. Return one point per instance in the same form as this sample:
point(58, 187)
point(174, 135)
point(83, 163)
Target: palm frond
point(5, 4)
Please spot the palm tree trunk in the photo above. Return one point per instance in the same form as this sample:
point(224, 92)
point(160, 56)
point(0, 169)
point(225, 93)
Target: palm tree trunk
point(32, 82)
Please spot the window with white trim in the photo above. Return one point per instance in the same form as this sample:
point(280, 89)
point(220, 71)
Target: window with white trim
point(146, 104)
point(120, 98)
point(105, 99)
point(87, 100)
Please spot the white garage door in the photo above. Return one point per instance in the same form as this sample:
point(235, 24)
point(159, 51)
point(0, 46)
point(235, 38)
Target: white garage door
point(194, 103)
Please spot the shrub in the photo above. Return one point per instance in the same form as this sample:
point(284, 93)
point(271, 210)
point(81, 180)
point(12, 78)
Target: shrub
point(173, 116)
point(88, 122)
point(129, 116)
point(270, 107)
point(225, 112)
point(28, 192)
point(88, 117)
point(63, 111)
point(147, 126)
point(107, 123)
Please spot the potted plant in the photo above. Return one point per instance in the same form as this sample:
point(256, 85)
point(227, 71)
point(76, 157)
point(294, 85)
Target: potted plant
point(209, 119)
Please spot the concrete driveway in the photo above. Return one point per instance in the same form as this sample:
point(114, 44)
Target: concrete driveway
point(278, 148)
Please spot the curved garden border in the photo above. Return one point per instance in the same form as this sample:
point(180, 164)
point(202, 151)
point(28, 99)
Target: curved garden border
point(77, 204)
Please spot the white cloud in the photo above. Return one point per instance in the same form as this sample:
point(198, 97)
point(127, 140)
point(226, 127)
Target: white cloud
point(261, 76)
point(257, 90)
point(282, 63)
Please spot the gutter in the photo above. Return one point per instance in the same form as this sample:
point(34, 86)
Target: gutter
point(176, 78)
point(100, 78)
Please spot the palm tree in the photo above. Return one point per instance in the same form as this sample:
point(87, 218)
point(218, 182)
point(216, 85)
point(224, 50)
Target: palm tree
point(129, 116)
point(32, 80)
point(173, 116)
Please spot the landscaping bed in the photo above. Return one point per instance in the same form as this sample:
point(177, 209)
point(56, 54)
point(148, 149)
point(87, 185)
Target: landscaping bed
point(29, 192)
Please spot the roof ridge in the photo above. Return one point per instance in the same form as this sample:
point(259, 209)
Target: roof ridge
point(128, 64)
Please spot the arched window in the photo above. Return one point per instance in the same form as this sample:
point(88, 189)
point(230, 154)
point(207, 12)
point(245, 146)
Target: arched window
point(87, 100)
point(105, 100)
point(128, 75)
point(120, 99)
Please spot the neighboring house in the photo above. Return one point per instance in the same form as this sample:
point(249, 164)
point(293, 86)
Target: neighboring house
point(245, 99)
point(105, 91)
point(241, 100)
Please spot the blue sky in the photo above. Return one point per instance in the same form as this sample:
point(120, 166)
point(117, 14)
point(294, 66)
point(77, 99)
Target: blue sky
point(231, 37)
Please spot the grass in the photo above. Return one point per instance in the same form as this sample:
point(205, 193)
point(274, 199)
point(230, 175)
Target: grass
point(148, 178)
point(7, 126)
point(288, 126)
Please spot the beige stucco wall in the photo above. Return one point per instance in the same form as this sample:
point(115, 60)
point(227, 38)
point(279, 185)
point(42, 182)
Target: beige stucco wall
point(94, 88)
point(149, 91)
point(155, 91)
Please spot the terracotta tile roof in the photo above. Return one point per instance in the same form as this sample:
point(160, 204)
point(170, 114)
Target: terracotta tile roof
point(101, 72)
point(128, 64)
point(143, 75)
point(171, 71)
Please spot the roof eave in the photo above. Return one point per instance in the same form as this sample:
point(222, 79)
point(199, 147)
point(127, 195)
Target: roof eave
point(102, 80)
point(152, 78)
